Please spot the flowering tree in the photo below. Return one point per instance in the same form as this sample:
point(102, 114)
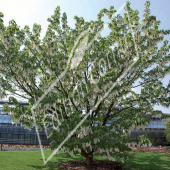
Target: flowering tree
point(77, 79)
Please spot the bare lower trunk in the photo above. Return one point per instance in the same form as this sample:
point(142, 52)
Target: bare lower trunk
point(88, 156)
point(89, 160)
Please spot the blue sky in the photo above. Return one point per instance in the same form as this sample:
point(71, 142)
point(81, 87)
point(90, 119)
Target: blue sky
point(28, 12)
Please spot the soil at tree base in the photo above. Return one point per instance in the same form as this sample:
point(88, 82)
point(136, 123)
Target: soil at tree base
point(98, 165)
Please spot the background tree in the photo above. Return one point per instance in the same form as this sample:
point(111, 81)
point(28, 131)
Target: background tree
point(167, 130)
point(92, 64)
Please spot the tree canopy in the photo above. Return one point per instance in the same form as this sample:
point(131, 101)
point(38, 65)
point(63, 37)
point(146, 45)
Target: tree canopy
point(95, 77)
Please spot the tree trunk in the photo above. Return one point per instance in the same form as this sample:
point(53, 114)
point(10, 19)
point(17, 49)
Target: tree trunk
point(89, 160)
point(88, 156)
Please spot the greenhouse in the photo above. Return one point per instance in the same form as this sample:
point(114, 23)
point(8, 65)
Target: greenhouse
point(16, 134)
point(155, 128)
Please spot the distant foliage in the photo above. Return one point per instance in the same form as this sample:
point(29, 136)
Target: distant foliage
point(167, 130)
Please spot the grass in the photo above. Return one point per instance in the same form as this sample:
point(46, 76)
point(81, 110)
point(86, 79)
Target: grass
point(31, 160)
point(148, 161)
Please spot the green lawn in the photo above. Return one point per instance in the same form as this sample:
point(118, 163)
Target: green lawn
point(31, 160)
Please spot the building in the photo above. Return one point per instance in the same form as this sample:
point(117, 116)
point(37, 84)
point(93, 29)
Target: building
point(16, 134)
point(155, 128)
